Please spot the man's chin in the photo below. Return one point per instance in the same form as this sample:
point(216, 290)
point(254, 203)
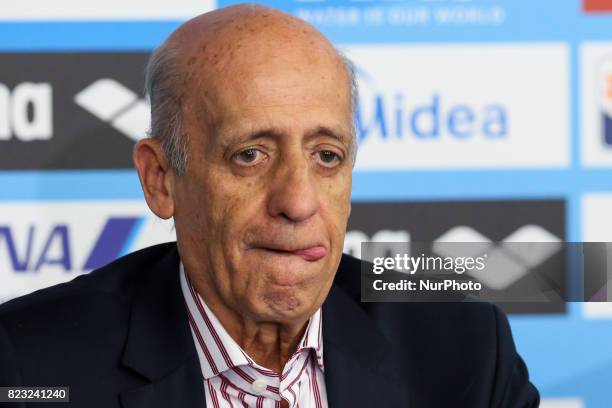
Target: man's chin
point(287, 305)
point(290, 286)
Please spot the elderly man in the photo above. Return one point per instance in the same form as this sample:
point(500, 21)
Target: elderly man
point(251, 153)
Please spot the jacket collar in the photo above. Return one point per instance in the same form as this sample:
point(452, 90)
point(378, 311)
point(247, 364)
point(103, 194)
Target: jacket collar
point(159, 344)
point(359, 367)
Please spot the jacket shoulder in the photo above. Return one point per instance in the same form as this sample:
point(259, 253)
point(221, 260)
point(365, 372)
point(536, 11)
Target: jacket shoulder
point(467, 346)
point(114, 281)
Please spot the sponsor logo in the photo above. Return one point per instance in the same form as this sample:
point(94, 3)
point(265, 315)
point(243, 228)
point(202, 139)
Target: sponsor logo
point(596, 88)
point(606, 104)
point(105, 10)
point(26, 111)
point(416, 112)
point(51, 242)
point(392, 116)
point(499, 227)
point(55, 248)
point(71, 110)
point(597, 6)
point(508, 261)
point(112, 102)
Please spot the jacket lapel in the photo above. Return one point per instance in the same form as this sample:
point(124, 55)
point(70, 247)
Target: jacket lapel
point(160, 346)
point(359, 366)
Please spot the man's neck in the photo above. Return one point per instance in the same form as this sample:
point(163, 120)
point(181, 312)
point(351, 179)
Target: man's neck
point(270, 345)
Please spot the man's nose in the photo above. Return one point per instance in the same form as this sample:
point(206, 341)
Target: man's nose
point(293, 193)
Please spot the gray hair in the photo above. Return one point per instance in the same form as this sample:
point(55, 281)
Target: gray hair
point(162, 87)
point(351, 71)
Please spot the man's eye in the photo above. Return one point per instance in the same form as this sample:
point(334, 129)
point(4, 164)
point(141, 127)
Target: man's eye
point(328, 158)
point(249, 156)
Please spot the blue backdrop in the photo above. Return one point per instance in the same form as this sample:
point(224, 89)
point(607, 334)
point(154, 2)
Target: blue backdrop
point(565, 157)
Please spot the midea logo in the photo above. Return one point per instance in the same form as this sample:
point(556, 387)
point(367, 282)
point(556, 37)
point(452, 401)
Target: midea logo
point(398, 114)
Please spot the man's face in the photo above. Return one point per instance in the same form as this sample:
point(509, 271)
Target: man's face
point(262, 209)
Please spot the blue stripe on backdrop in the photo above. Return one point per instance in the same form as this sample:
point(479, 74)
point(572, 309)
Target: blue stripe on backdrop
point(523, 22)
point(382, 185)
point(545, 20)
point(85, 36)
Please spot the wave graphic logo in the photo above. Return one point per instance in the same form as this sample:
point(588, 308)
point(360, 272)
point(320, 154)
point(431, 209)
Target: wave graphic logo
point(507, 261)
point(111, 102)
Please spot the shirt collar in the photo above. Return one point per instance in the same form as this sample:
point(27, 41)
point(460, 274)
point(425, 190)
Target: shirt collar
point(218, 351)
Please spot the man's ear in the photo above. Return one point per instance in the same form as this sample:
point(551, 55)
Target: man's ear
point(156, 177)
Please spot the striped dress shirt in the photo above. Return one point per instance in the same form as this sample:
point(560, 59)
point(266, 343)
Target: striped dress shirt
point(232, 379)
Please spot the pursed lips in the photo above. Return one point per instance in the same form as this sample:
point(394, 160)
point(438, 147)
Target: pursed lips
point(309, 253)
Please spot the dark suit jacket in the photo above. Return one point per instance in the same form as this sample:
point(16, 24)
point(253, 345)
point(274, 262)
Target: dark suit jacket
point(119, 337)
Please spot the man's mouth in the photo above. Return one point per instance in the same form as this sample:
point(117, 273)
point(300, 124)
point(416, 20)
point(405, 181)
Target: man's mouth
point(311, 254)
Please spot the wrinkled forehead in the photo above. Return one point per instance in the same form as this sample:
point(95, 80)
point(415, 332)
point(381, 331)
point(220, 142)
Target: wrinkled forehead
point(254, 56)
point(217, 39)
point(239, 45)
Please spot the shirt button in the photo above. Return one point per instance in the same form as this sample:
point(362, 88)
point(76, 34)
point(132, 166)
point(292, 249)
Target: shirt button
point(259, 386)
